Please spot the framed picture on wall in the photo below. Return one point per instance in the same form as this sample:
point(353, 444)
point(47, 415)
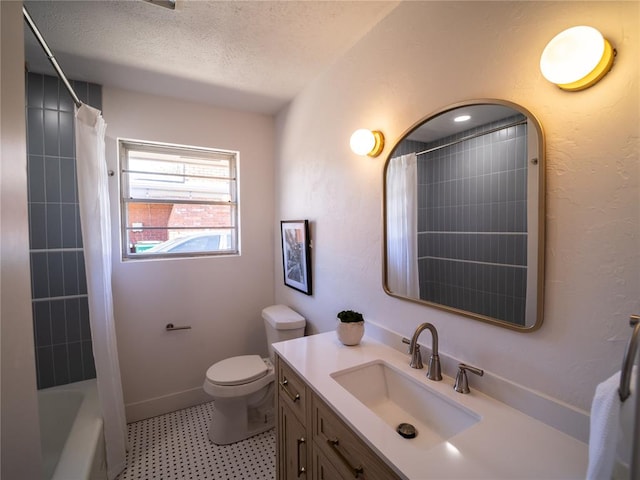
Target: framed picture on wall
point(296, 258)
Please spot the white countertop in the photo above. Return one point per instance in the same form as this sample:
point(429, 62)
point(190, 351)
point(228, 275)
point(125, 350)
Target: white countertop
point(504, 444)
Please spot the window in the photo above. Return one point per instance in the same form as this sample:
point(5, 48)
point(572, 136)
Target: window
point(177, 201)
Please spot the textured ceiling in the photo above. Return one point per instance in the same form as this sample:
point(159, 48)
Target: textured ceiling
point(250, 55)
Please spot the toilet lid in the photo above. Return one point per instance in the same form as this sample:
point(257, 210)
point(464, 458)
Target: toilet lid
point(237, 370)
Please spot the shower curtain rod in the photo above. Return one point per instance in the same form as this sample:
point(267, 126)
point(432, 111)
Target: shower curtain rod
point(474, 135)
point(50, 56)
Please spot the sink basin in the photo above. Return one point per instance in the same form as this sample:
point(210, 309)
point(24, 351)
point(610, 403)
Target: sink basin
point(398, 398)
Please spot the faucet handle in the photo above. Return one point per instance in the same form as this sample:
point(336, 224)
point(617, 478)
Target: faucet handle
point(462, 384)
point(416, 356)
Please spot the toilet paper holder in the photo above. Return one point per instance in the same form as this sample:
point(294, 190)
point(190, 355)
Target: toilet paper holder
point(170, 327)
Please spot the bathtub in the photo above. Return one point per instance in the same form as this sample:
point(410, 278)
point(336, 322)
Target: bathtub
point(71, 432)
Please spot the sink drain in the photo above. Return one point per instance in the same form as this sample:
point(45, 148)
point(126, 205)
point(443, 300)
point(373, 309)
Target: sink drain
point(406, 430)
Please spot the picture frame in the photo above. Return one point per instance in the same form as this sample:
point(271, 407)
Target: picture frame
point(296, 255)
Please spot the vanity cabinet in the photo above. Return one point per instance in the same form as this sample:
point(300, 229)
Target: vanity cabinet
point(350, 456)
point(293, 446)
point(313, 443)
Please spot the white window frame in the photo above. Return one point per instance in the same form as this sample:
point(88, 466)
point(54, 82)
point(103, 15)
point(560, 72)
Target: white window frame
point(203, 153)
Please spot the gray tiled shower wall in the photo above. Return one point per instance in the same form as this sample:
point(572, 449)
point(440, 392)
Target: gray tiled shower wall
point(58, 283)
point(472, 221)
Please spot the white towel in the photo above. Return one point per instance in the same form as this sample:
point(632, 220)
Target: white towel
point(609, 434)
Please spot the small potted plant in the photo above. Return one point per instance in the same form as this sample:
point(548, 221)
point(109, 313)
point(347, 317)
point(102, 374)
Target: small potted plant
point(350, 327)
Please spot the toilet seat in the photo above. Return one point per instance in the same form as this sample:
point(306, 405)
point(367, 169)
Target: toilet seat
point(243, 376)
point(237, 370)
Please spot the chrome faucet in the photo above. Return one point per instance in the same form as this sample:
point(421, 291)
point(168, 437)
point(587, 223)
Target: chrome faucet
point(433, 370)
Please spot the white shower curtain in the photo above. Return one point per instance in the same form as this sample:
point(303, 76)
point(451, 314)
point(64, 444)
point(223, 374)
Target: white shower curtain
point(402, 226)
point(95, 220)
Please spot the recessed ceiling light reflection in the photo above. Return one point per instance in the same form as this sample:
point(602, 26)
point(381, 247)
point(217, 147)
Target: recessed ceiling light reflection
point(462, 118)
point(452, 450)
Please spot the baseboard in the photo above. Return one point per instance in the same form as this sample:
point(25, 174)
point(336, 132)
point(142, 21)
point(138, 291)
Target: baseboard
point(167, 403)
point(555, 413)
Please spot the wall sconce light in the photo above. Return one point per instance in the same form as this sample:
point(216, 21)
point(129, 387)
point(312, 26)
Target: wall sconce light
point(577, 58)
point(367, 142)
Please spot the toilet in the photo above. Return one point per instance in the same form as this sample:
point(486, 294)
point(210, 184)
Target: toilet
point(243, 387)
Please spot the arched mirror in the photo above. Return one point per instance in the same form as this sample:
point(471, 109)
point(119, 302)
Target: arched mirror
point(464, 214)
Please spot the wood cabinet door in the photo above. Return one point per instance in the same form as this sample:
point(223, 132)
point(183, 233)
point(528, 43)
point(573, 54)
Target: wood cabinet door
point(294, 446)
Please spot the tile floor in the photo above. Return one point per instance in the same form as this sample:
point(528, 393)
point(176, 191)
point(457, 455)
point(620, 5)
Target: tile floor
point(175, 446)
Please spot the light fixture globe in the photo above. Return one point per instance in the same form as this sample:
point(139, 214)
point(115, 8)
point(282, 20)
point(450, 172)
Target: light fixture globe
point(367, 142)
point(576, 58)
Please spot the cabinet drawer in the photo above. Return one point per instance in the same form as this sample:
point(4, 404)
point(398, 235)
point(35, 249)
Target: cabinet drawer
point(351, 457)
point(322, 467)
point(292, 390)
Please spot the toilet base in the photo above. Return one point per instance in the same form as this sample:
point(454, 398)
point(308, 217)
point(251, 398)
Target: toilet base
point(237, 419)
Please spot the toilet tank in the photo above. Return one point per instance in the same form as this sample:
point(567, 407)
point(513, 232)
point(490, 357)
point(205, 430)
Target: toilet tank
point(281, 323)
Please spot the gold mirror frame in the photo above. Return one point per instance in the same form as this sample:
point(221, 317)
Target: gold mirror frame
point(535, 231)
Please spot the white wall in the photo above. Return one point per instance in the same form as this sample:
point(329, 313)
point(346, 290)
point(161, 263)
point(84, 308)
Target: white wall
point(426, 55)
point(220, 298)
point(20, 440)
